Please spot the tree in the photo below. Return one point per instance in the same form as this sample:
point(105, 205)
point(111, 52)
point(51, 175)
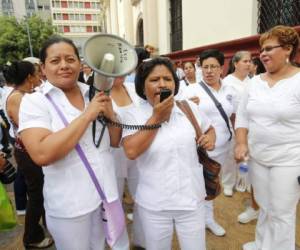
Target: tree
point(14, 43)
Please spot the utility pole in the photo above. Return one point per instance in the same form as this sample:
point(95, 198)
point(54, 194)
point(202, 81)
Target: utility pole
point(29, 38)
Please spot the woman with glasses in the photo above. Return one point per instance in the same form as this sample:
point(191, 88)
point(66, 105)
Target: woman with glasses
point(268, 130)
point(170, 190)
point(212, 62)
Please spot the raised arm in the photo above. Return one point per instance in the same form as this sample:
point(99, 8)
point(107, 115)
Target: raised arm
point(46, 147)
point(136, 144)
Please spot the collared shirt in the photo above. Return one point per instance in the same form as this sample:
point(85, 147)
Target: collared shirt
point(68, 189)
point(170, 176)
point(86, 77)
point(237, 84)
point(226, 95)
point(272, 116)
point(122, 163)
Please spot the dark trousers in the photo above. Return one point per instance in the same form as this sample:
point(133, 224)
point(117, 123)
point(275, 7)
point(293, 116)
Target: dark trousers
point(34, 180)
point(20, 191)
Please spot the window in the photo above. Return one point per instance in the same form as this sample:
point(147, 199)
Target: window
point(56, 4)
point(87, 5)
point(64, 4)
point(88, 17)
point(57, 16)
point(65, 16)
point(7, 7)
point(176, 24)
point(95, 17)
point(80, 5)
point(95, 5)
point(89, 29)
point(275, 12)
point(66, 28)
point(60, 29)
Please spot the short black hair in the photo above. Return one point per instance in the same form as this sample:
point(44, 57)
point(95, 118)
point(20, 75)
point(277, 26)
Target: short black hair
point(146, 68)
point(142, 54)
point(52, 40)
point(219, 56)
point(18, 71)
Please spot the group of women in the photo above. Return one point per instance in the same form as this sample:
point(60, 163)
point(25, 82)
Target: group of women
point(170, 192)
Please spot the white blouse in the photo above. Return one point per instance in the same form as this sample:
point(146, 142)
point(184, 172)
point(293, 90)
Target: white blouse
point(227, 96)
point(272, 117)
point(236, 83)
point(122, 163)
point(170, 176)
point(68, 189)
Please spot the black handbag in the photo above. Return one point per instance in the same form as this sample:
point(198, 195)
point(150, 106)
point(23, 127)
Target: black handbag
point(211, 168)
point(9, 173)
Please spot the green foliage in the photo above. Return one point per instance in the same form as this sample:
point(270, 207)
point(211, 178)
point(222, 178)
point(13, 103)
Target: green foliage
point(14, 44)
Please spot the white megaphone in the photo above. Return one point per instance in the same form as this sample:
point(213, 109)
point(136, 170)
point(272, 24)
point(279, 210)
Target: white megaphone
point(109, 56)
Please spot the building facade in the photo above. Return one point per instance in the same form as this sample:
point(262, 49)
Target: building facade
point(77, 19)
point(174, 25)
point(25, 8)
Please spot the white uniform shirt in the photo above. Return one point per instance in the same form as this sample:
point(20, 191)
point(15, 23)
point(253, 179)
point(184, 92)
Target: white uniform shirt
point(122, 163)
point(236, 83)
point(5, 94)
point(68, 189)
point(170, 176)
point(199, 74)
point(226, 95)
point(272, 116)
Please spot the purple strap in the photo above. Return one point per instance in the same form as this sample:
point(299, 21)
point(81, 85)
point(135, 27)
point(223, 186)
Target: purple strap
point(79, 151)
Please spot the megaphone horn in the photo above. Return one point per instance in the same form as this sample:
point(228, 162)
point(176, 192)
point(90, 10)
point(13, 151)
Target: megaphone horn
point(109, 56)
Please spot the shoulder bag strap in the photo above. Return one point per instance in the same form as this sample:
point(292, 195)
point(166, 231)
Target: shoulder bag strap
point(79, 150)
point(186, 109)
point(219, 107)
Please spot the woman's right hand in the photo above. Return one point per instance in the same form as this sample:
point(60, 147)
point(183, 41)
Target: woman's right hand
point(241, 152)
point(162, 110)
point(96, 106)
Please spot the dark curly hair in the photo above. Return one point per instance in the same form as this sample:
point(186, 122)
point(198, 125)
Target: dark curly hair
point(146, 68)
point(285, 35)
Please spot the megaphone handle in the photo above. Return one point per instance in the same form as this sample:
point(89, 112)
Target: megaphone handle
point(104, 125)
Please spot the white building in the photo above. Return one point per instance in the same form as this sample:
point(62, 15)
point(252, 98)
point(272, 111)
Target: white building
point(172, 25)
point(77, 19)
point(25, 8)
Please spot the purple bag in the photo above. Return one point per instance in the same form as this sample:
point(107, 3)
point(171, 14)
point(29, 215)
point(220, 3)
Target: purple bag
point(113, 219)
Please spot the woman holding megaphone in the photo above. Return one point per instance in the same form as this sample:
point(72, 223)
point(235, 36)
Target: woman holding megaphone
point(54, 122)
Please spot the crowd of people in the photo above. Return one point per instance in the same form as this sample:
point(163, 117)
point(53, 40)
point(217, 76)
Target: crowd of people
point(250, 115)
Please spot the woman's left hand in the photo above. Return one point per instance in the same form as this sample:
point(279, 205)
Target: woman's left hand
point(106, 109)
point(206, 142)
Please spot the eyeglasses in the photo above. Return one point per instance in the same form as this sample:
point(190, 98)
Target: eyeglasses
point(212, 67)
point(270, 48)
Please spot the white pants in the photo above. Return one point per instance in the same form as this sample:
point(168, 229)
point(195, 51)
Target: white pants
point(138, 238)
point(209, 206)
point(159, 228)
point(229, 168)
point(277, 193)
point(82, 233)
